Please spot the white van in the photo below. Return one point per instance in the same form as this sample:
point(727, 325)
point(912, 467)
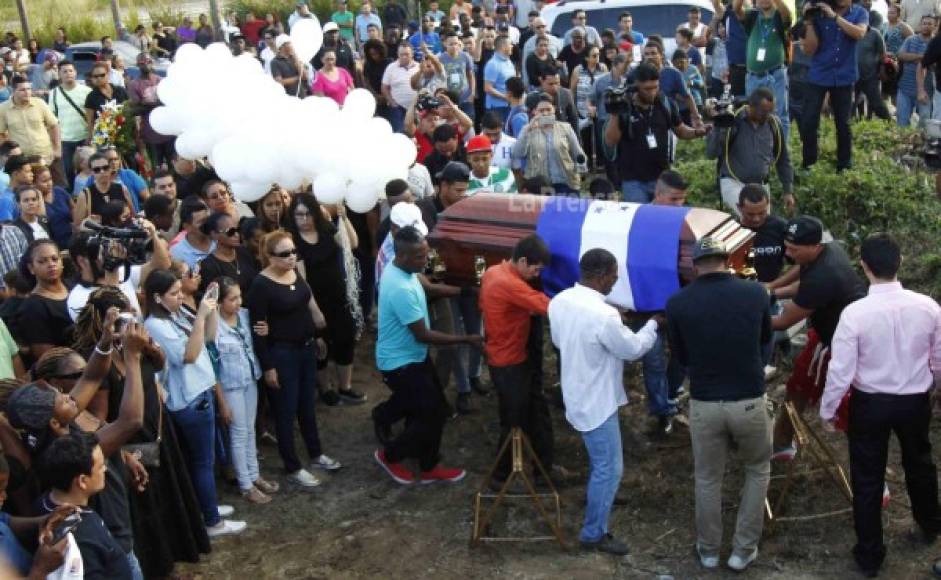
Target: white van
point(650, 16)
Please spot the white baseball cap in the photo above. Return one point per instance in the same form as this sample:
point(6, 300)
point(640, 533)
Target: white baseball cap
point(281, 40)
point(407, 214)
point(330, 27)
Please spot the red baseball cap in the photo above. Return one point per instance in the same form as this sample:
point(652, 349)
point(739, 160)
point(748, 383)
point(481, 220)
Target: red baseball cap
point(479, 143)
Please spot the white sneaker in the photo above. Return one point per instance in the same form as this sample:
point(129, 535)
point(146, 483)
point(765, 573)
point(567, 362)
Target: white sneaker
point(707, 561)
point(226, 528)
point(326, 462)
point(304, 478)
point(770, 371)
point(225, 510)
point(738, 563)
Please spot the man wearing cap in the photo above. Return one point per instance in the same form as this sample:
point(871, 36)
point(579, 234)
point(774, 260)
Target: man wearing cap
point(887, 352)
point(288, 70)
point(332, 40)
point(29, 121)
point(717, 325)
point(508, 302)
point(66, 101)
point(344, 19)
point(484, 176)
point(827, 284)
point(300, 11)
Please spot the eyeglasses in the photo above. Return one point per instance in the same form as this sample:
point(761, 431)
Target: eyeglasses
point(99, 76)
point(71, 376)
point(230, 232)
point(101, 169)
point(538, 26)
point(285, 253)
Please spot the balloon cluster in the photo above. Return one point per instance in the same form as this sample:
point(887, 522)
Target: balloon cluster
point(227, 109)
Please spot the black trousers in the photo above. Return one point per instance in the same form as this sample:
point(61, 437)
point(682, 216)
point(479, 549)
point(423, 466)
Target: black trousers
point(872, 420)
point(841, 106)
point(522, 404)
point(416, 396)
point(872, 89)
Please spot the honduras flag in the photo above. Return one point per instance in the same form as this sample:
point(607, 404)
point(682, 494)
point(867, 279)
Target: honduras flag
point(645, 239)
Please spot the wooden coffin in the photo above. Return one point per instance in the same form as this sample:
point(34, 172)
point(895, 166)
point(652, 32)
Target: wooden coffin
point(483, 229)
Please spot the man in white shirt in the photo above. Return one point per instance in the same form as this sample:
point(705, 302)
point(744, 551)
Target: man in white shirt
point(397, 86)
point(67, 101)
point(699, 29)
point(594, 343)
point(501, 143)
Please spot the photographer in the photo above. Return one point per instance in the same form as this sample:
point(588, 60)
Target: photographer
point(102, 261)
point(640, 125)
point(831, 30)
point(749, 148)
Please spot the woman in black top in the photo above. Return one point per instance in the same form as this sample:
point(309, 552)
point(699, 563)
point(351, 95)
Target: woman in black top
point(94, 199)
point(31, 222)
point(101, 93)
point(165, 514)
point(49, 323)
point(229, 258)
point(369, 76)
point(204, 33)
point(322, 265)
point(289, 353)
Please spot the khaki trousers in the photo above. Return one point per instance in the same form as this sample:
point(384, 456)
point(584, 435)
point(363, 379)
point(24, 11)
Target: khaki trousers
point(714, 425)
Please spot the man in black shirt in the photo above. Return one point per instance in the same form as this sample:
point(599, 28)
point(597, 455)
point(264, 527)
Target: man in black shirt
point(340, 47)
point(642, 135)
point(717, 325)
point(288, 70)
point(448, 148)
point(827, 284)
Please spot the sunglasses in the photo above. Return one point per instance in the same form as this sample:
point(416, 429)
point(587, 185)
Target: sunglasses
point(285, 253)
point(230, 232)
point(101, 168)
point(71, 376)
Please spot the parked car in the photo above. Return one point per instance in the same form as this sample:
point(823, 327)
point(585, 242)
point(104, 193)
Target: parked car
point(85, 54)
point(650, 16)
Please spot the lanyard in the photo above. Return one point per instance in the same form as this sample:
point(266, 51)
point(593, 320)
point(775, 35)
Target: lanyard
point(245, 344)
point(765, 28)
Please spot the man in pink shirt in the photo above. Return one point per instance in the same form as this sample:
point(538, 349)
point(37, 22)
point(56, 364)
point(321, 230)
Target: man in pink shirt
point(886, 347)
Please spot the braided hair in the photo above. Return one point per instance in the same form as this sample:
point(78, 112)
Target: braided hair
point(50, 363)
point(90, 320)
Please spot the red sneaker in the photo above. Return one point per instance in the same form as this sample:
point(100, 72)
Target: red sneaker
point(396, 471)
point(439, 473)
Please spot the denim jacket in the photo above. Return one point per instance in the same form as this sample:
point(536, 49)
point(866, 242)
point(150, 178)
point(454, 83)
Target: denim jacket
point(238, 364)
point(183, 381)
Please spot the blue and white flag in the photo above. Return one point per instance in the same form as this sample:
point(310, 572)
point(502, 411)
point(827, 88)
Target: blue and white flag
point(644, 238)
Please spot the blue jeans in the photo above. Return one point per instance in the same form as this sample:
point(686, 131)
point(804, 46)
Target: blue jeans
point(638, 191)
point(906, 105)
point(197, 428)
point(136, 572)
point(397, 119)
point(778, 83)
point(466, 321)
point(606, 465)
point(243, 402)
point(767, 349)
point(68, 152)
point(297, 377)
point(662, 378)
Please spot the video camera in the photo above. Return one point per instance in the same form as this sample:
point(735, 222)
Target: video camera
point(427, 103)
point(119, 246)
point(619, 99)
point(815, 11)
point(724, 107)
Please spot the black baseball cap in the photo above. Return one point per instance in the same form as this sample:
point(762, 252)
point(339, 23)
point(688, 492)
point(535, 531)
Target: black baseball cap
point(707, 246)
point(804, 230)
point(454, 171)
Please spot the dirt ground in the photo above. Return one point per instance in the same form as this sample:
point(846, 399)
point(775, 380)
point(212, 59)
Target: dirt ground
point(361, 524)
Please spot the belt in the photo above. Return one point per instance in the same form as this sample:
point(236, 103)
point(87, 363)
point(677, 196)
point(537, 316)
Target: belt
point(762, 75)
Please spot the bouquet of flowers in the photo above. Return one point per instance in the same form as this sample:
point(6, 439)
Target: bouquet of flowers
point(114, 126)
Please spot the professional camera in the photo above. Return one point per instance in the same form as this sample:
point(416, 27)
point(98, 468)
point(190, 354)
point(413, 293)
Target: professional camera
point(619, 99)
point(815, 11)
point(119, 246)
point(932, 146)
point(723, 109)
point(427, 103)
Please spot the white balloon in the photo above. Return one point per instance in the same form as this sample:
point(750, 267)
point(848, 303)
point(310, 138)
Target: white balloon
point(249, 191)
point(306, 38)
point(379, 127)
point(362, 197)
point(218, 52)
point(189, 53)
point(402, 149)
point(165, 121)
point(171, 91)
point(329, 188)
point(197, 143)
point(359, 104)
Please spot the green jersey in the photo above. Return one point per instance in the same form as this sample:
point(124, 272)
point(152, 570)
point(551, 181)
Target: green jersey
point(500, 180)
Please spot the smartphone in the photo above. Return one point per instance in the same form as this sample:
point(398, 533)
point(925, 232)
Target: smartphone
point(123, 319)
point(212, 292)
point(65, 526)
point(546, 120)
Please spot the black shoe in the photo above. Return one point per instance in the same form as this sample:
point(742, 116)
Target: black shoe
point(479, 387)
point(463, 404)
point(351, 397)
point(665, 425)
point(329, 397)
point(609, 545)
point(383, 431)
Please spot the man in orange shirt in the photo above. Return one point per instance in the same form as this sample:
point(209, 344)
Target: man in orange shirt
point(507, 302)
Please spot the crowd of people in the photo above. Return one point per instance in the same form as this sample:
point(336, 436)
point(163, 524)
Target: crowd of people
point(155, 328)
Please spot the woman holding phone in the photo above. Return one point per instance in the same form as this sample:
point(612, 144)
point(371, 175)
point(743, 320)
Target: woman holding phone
point(549, 147)
point(189, 379)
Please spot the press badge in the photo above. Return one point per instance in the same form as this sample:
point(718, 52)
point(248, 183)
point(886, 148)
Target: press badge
point(651, 141)
point(456, 78)
point(761, 55)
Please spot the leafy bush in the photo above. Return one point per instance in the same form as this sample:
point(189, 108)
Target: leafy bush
point(882, 192)
point(85, 20)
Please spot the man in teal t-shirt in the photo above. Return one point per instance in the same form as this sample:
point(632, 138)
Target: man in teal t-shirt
point(402, 357)
point(765, 53)
point(344, 19)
